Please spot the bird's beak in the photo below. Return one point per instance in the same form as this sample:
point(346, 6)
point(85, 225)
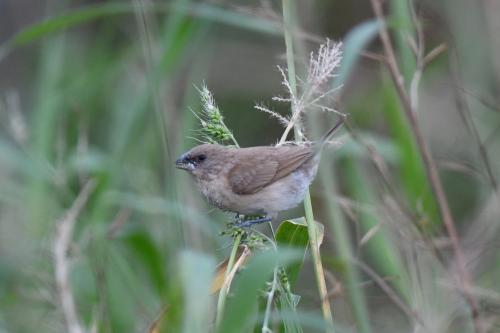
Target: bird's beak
point(182, 163)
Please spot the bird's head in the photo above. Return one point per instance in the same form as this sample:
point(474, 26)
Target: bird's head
point(202, 160)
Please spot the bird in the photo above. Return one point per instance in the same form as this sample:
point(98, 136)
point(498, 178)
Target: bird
point(255, 181)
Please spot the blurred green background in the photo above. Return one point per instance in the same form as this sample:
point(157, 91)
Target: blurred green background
point(104, 90)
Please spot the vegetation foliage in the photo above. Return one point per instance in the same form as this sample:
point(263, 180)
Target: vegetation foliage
point(400, 232)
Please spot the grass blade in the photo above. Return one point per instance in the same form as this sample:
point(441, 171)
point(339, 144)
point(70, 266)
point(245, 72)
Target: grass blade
point(293, 234)
point(241, 306)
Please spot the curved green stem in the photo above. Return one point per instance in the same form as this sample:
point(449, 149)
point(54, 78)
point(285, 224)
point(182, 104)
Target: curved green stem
point(289, 23)
point(225, 287)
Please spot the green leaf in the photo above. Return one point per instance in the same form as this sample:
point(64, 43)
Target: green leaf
point(378, 248)
point(354, 42)
point(293, 234)
point(241, 306)
point(89, 13)
point(354, 149)
point(144, 248)
point(287, 303)
point(341, 235)
point(125, 291)
point(12, 158)
point(62, 22)
point(402, 23)
point(232, 18)
point(412, 171)
point(196, 270)
point(68, 20)
point(47, 107)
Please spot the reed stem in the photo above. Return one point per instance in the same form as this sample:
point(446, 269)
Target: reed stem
point(289, 25)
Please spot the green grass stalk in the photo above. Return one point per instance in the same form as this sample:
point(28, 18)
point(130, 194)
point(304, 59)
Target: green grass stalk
point(413, 177)
point(378, 248)
point(269, 303)
point(221, 303)
point(318, 266)
point(344, 248)
point(401, 12)
point(289, 23)
point(47, 108)
point(345, 252)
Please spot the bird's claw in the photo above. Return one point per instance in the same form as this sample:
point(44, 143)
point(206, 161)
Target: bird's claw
point(248, 223)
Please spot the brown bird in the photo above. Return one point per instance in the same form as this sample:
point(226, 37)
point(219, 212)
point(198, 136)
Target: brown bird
point(257, 180)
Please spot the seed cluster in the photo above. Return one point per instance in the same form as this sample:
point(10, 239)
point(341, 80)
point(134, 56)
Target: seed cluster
point(213, 128)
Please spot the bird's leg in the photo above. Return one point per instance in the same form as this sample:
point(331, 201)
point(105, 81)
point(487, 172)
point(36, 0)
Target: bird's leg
point(249, 223)
point(238, 219)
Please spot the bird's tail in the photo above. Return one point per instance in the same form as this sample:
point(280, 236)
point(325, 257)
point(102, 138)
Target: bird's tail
point(324, 139)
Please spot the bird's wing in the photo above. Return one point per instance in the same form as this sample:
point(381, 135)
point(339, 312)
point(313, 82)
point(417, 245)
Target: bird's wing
point(257, 170)
point(251, 175)
point(290, 158)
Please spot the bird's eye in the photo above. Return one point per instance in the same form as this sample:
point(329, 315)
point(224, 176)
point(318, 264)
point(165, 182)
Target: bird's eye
point(202, 157)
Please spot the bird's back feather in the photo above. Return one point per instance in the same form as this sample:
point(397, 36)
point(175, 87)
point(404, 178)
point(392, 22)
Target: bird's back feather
point(257, 170)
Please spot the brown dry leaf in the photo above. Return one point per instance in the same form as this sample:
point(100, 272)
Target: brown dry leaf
point(218, 281)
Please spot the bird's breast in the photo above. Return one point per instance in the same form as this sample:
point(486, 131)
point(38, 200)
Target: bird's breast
point(217, 192)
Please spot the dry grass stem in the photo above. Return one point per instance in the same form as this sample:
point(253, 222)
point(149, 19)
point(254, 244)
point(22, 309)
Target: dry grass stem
point(237, 265)
point(465, 114)
point(434, 53)
point(431, 169)
point(61, 245)
point(393, 296)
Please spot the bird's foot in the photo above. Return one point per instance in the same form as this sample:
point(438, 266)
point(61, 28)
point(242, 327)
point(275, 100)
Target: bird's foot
point(242, 223)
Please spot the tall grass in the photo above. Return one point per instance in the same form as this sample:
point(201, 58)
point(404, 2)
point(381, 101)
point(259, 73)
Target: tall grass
point(290, 23)
point(100, 233)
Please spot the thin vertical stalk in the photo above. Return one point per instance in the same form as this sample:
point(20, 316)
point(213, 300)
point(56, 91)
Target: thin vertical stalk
point(412, 170)
point(237, 241)
point(318, 266)
point(154, 87)
point(269, 303)
point(289, 25)
point(221, 303)
point(341, 236)
point(401, 11)
point(345, 252)
point(430, 167)
point(46, 109)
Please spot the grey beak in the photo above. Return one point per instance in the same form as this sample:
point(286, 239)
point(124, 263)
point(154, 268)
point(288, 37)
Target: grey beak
point(181, 163)
point(181, 160)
